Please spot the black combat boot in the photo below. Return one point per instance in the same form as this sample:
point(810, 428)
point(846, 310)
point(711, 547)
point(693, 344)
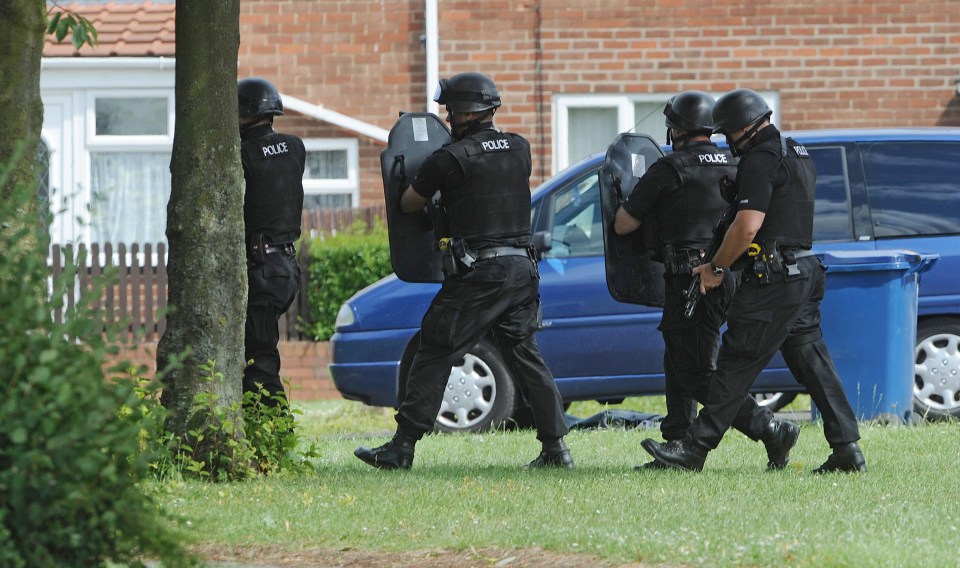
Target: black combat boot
point(845, 458)
point(779, 437)
point(673, 444)
point(395, 454)
point(685, 456)
point(554, 454)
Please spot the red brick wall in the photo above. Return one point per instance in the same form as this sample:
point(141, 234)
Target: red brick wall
point(304, 363)
point(835, 64)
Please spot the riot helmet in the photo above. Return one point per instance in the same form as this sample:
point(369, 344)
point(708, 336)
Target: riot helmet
point(690, 112)
point(742, 109)
point(467, 92)
point(258, 97)
point(739, 109)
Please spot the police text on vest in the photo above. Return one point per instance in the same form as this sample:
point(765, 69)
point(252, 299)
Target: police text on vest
point(713, 158)
point(494, 145)
point(274, 149)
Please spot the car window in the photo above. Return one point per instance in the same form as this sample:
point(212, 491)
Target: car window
point(577, 229)
point(913, 187)
point(831, 217)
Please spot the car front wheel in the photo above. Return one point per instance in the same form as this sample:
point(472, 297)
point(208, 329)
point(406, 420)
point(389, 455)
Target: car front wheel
point(936, 369)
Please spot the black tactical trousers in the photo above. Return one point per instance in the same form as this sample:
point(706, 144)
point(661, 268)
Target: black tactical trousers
point(272, 288)
point(499, 296)
point(690, 354)
point(782, 315)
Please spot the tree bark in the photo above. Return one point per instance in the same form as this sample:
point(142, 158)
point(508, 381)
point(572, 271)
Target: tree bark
point(21, 47)
point(207, 260)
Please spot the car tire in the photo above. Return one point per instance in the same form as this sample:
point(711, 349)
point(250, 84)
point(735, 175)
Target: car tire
point(480, 394)
point(775, 401)
point(936, 369)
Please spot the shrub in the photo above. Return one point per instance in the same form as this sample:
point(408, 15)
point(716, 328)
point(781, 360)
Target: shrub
point(69, 463)
point(213, 451)
point(341, 265)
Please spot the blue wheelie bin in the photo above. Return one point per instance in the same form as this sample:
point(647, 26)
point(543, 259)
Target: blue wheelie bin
point(870, 326)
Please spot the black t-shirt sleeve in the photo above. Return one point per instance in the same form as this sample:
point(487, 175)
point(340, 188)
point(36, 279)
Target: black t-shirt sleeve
point(438, 171)
point(660, 177)
point(756, 177)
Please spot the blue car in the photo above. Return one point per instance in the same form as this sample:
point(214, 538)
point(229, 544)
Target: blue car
point(876, 189)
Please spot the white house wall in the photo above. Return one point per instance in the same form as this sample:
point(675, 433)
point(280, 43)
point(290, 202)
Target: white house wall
point(68, 87)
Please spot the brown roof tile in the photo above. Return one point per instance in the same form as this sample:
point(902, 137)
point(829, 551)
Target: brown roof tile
point(130, 30)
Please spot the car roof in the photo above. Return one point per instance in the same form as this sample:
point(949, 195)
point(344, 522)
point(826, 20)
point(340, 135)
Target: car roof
point(876, 134)
point(837, 135)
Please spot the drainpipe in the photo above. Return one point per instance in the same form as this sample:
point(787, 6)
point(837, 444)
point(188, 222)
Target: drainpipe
point(432, 42)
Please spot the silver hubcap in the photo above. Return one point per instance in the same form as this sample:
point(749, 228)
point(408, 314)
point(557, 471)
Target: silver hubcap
point(937, 373)
point(469, 396)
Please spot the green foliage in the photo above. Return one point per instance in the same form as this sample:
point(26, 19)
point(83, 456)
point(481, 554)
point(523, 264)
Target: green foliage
point(70, 464)
point(215, 447)
point(341, 265)
point(270, 427)
point(64, 21)
point(228, 443)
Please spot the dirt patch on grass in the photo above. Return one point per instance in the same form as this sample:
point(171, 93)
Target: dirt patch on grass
point(264, 557)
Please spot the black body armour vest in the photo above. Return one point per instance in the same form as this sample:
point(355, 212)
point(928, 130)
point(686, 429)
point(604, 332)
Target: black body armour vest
point(688, 213)
point(492, 206)
point(273, 166)
point(789, 217)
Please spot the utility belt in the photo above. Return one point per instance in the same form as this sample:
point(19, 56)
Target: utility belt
point(681, 262)
point(258, 249)
point(458, 259)
point(767, 262)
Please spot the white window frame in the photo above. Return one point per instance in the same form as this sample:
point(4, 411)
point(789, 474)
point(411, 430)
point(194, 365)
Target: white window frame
point(144, 142)
point(351, 184)
point(128, 144)
point(626, 119)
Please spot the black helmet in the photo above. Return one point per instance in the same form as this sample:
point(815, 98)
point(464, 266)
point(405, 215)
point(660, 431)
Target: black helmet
point(739, 109)
point(258, 97)
point(691, 111)
point(467, 92)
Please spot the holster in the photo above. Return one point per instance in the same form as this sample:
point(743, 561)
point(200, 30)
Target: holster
point(256, 249)
point(457, 258)
point(769, 260)
point(680, 262)
point(668, 254)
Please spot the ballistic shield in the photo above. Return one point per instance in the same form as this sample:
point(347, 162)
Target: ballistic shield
point(633, 277)
point(412, 139)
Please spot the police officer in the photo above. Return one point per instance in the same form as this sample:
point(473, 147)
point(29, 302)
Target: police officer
point(777, 305)
point(679, 195)
point(273, 165)
point(491, 283)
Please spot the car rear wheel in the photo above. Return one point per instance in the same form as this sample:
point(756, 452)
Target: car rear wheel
point(479, 395)
point(936, 369)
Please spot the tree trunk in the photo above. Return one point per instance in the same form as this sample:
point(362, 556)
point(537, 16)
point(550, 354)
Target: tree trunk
point(207, 260)
point(21, 47)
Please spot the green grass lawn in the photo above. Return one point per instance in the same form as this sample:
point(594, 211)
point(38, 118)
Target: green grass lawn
point(468, 491)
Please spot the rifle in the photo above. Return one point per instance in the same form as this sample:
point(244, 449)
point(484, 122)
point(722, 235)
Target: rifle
point(693, 295)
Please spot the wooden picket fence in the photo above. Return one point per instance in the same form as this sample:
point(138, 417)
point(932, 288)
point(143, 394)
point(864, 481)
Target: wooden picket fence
point(138, 298)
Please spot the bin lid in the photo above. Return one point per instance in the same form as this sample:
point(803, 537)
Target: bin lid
point(863, 260)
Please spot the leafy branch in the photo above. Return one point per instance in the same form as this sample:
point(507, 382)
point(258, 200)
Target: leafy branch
point(65, 21)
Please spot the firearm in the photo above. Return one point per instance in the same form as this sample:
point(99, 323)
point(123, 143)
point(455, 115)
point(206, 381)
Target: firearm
point(693, 295)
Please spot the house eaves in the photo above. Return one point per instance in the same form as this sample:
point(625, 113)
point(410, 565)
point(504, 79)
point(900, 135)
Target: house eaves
point(337, 119)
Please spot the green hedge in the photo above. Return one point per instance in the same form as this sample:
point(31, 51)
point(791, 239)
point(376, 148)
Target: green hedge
point(71, 457)
point(339, 266)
